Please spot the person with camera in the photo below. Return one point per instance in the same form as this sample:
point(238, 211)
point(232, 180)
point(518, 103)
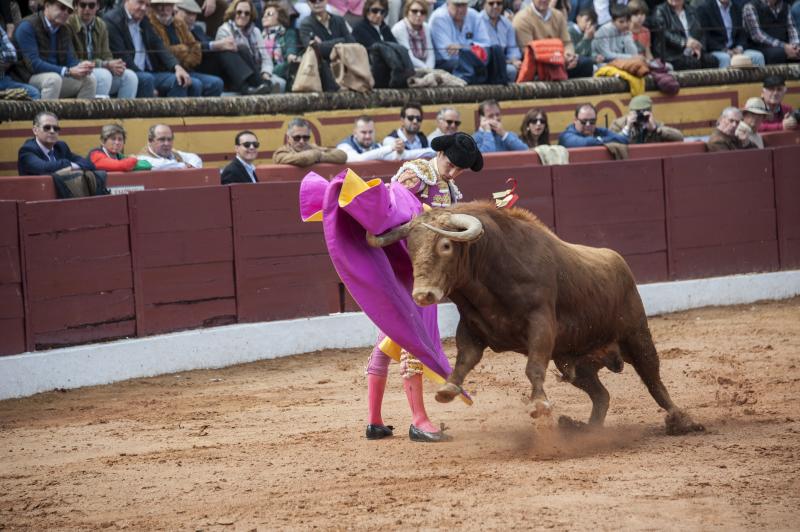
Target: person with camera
point(639, 125)
point(781, 117)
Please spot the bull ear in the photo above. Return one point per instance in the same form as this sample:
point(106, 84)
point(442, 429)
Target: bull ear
point(471, 228)
point(390, 237)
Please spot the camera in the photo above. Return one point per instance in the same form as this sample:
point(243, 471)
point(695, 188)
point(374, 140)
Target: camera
point(796, 115)
point(642, 117)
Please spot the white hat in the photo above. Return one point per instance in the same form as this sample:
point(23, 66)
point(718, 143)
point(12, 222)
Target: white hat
point(756, 106)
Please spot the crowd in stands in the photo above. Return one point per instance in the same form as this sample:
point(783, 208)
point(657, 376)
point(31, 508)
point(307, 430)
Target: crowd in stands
point(144, 48)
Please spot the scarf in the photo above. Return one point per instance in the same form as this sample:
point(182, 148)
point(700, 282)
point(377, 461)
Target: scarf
point(246, 38)
point(271, 44)
point(417, 42)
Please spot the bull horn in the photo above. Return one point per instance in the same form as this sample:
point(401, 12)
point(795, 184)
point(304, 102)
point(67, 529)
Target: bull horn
point(471, 228)
point(389, 237)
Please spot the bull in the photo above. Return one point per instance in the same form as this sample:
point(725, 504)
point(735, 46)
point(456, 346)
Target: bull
point(518, 287)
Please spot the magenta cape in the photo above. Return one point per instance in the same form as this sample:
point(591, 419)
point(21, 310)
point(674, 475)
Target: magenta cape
point(379, 279)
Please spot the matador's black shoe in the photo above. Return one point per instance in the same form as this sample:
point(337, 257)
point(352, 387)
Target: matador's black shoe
point(376, 432)
point(420, 435)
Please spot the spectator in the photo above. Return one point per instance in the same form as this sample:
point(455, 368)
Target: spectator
point(752, 115)
point(133, 39)
point(298, 151)
point(534, 130)
point(578, 7)
point(221, 57)
point(681, 44)
point(640, 125)
point(448, 120)
point(614, 39)
point(501, 34)
point(372, 28)
point(408, 135)
point(771, 30)
point(603, 10)
point(239, 24)
point(583, 131)
point(109, 156)
point(361, 145)
point(725, 37)
point(326, 30)
point(351, 11)
point(175, 35)
point(538, 21)
point(281, 42)
point(47, 53)
point(491, 135)
point(640, 32)
point(455, 29)
point(8, 56)
point(242, 168)
point(44, 153)
point(724, 137)
point(582, 33)
point(780, 116)
point(90, 39)
point(415, 34)
point(160, 154)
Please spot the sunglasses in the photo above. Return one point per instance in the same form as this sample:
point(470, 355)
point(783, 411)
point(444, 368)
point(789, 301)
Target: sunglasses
point(298, 138)
point(315, 1)
point(377, 10)
point(451, 122)
point(413, 118)
point(417, 11)
point(48, 127)
point(588, 121)
point(242, 13)
point(539, 121)
point(249, 144)
point(87, 6)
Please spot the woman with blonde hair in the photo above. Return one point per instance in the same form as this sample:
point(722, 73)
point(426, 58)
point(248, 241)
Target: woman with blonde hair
point(414, 34)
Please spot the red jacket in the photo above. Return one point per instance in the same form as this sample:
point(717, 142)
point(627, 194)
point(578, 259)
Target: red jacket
point(775, 121)
point(103, 161)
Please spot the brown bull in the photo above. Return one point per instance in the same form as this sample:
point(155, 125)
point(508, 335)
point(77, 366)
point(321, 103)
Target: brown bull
point(518, 287)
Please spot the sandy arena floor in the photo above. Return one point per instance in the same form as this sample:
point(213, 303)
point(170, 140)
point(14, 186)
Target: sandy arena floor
point(279, 445)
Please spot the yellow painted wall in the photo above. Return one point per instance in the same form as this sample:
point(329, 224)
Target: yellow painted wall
point(693, 111)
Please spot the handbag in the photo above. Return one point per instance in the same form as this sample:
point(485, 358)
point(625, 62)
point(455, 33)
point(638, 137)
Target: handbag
point(350, 67)
point(307, 78)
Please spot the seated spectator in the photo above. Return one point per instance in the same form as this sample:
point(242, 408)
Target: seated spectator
point(501, 34)
point(534, 130)
point(109, 156)
point(491, 135)
point(372, 28)
point(408, 135)
point(361, 145)
point(614, 40)
point(133, 39)
point(239, 24)
point(584, 132)
point(242, 168)
point(352, 11)
point(160, 154)
point(448, 120)
point(640, 32)
point(281, 42)
point(389, 61)
point(326, 30)
point(414, 34)
point(44, 153)
point(582, 33)
point(175, 35)
point(752, 115)
point(780, 116)
point(681, 42)
point(298, 151)
point(724, 137)
point(771, 30)
point(640, 125)
point(538, 21)
point(45, 47)
point(90, 39)
point(576, 8)
point(8, 56)
point(725, 37)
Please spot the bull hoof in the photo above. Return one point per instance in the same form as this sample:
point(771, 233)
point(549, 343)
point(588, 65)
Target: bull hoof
point(679, 422)
point(447, 392)
point(541, 408)
point(569, 424)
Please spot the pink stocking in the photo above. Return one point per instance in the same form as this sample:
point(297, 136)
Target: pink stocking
point(376, 384)
point(413, 387)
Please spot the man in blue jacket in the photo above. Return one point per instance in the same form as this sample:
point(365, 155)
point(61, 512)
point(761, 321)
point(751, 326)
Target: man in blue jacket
point(491, 135)
point(584, 131)
point(44, 153)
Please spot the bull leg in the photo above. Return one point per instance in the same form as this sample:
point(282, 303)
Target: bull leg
point(640, 349)
point(470, 351)
point(541, 339)
point(586, 379)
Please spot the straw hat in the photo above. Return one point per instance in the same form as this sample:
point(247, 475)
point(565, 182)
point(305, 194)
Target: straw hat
point(741, 61)
point(756, 106)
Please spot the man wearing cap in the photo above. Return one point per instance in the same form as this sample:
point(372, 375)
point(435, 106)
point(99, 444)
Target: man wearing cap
point(90, 39)
point(724, 137)
point(771, 30)
point(49, 57)
point(725, 36)
point(753, 113)
point(640, 125)
point(780, 117)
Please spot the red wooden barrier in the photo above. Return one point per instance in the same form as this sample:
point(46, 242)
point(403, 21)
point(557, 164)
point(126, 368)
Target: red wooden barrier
point(665, 149)
point(781, 138)
point(721, 214)
point(195, 177)
point(27, 188)
point(78, 280)
point(618, 205)
point(282, 265)
point(12, 309)
point(589, 155)
point(183, 258)
point(786, 165)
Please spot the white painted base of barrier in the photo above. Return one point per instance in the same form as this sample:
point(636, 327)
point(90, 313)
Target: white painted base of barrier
point(88, 365)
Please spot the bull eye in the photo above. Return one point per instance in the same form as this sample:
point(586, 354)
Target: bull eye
point(444, 247)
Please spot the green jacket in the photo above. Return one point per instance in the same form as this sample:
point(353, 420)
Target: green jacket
point(102, 52)
point(288, 43)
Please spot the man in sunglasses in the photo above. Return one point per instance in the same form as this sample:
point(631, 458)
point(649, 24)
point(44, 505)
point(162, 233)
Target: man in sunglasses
point(584, 132)
point(242, 168)
point(44, 153)
point(298, 151)
point(501, 33)
point(408, 136)
point(162, 155)
point(491, 135)
point(448, 121)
